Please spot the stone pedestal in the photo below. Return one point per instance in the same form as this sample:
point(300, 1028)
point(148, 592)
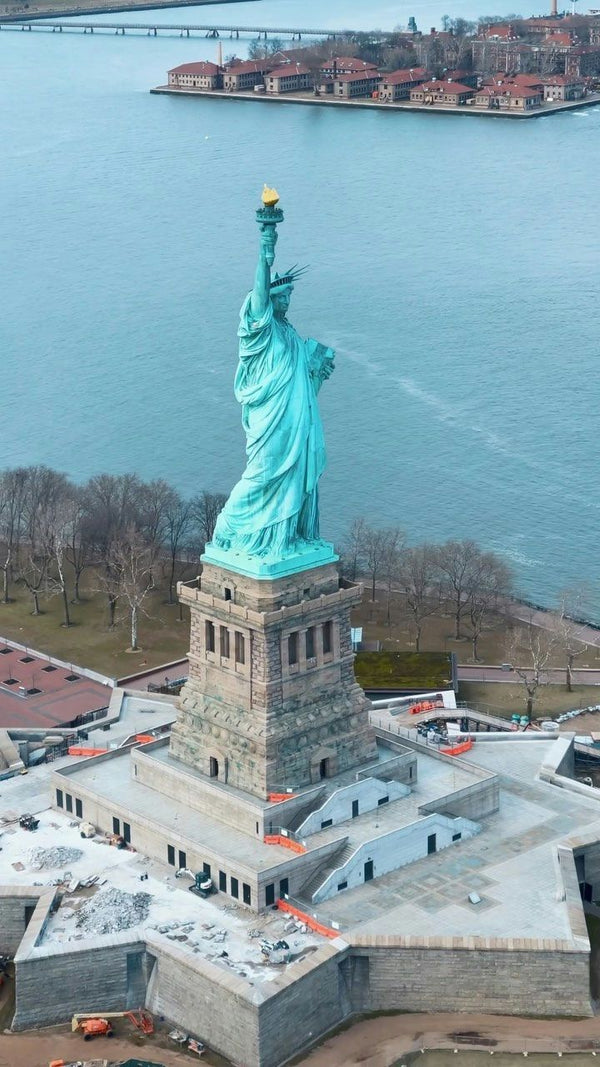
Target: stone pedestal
point(271, 702)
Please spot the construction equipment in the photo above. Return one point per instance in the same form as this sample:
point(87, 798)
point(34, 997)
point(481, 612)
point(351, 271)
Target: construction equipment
point(28, 822)
point(94, 1027)
point(87, 829)
point(141, 1019)
point(275, 951)
point(203, 885)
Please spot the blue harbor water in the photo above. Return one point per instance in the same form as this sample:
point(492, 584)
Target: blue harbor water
point(453, 266)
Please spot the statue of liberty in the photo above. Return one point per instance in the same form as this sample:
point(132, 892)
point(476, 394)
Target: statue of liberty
point(273, 511)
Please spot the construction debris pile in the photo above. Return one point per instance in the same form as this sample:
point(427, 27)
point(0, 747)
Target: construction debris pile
point(46, 859)
point(112, 910)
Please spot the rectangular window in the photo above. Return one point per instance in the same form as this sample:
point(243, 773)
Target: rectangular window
point(222, 881)
point(235, 888)
point(354, 809)
point(327, 638)
point(59, 798)
point(224, 638)
point(78, 808)
point(293, 649)
point(270, 894)
point(457, 837)
point(382, 800)
point(240, 648)
point(206, 869)
point(284, 887)
point(342, 885)
point(246, 894)
point(209, 636)
point(326, 823)
point(171, 855)
point(182, 858)
point(310, 643)
point(69, 800)
point(127, 832)
point(116, 825)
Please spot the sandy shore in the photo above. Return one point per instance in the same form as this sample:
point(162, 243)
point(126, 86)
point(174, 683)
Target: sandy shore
point(379, 1042)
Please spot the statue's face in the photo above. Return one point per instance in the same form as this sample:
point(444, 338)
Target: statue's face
point(281, 302)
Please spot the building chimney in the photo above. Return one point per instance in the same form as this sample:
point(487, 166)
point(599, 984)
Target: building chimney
point(554, 9)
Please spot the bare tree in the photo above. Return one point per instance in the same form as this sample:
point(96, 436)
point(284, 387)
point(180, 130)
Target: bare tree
point(375, 548)
point(131, 570)
point(354, 549)
point(458, 563)
point(79, 547)
point(491, 581)
point(178, 521)
point(115, 505)
point(205, 510)
point(45, 493)
point(534, 650)
point(390, 564)
point(573, 605)
point(12, 488)
point(417, 578)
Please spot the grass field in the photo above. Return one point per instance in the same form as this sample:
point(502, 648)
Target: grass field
point(90, 642)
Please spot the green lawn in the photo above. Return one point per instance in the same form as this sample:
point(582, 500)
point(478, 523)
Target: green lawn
point(89, 642)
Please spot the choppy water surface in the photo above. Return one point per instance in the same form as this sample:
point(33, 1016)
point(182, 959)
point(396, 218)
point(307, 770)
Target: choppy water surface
point(454, 267)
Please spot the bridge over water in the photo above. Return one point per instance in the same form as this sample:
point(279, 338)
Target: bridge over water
point(184, 30)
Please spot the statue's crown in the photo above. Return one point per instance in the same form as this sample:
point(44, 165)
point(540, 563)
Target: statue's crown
point(279, 280)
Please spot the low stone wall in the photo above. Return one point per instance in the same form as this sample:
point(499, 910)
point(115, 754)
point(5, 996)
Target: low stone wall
point(412, 975)
point(473, 802)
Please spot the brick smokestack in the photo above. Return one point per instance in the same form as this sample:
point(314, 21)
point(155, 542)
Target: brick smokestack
point(554, 8)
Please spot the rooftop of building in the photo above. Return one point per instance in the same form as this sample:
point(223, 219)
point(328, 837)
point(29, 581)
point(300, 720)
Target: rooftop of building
point(287, 70)
point(201, 67)
point(40, 691)
point(511, 864)
point(399, 77)
point(359, 75)
point(440, 85)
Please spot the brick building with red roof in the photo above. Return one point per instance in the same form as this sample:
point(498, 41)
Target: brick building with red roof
point(446, 93)
point(397, 84)
point(246, 75)
point(288, 78)
point(201, 75)
point(358, 83)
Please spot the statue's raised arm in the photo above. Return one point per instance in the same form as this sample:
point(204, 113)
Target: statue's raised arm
point(272, 513)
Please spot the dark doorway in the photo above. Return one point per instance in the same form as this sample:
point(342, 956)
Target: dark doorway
point(586, 891)
point(29, 910)
point(354, 808)
point(269, 894)
point(368, 870)
point(127, 832)
point(431, 844)
point(116, 825)
point(214, 767)
point(182, 859)
point(324, 767)
point(284, 887)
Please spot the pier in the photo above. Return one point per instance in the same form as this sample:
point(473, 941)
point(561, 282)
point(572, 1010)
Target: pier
point(153, 29)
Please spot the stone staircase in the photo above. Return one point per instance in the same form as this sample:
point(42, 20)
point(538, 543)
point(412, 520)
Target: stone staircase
point(337, 860)
point(314, 803)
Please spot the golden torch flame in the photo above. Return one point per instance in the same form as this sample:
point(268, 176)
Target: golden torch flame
point(270, 197)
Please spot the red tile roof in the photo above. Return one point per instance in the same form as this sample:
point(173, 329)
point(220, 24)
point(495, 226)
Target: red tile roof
point(359, 76)
point(250, 66)
point(203, 67)
point(289, 69)
point(348, 63)
point(399, 77)
point(58, 702)
point(439, 86)
point(508, 89)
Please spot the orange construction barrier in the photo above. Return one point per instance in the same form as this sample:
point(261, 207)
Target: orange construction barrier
point(415, 709)
point(287, 842)
point(276, 798)
point(144, 738)
point(76, 750)
point(313, 924)
point(457, 749)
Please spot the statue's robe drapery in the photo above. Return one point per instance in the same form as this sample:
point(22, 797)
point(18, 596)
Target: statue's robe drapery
point(274, 506)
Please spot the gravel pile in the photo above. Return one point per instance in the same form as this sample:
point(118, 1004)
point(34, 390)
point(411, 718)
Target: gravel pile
point(45, 859)
point(112, 910)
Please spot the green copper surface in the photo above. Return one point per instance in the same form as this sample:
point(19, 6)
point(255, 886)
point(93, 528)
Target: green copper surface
point(270, 524)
